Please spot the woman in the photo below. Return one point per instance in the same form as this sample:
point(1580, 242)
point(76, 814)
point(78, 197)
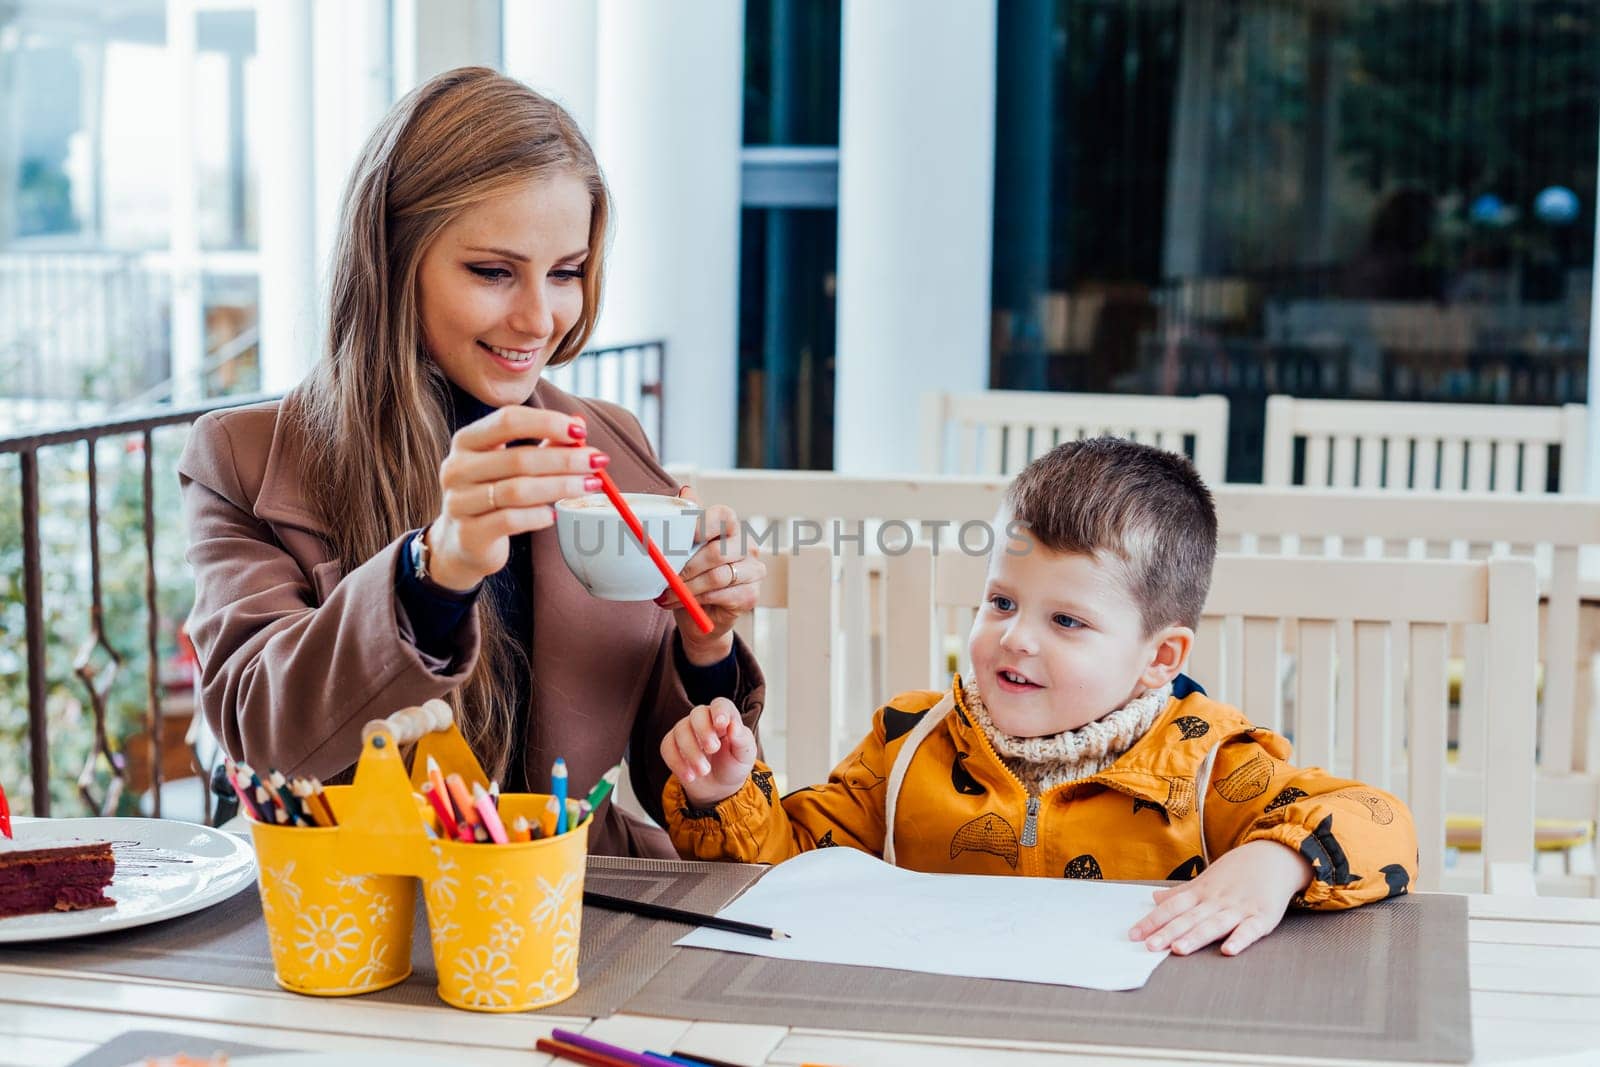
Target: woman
point(382, 535)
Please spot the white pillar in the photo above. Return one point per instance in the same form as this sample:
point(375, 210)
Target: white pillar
point(350, 61)
point(289, 326)
point(188, 303)
point(669, 118)
point(552, 45)
point(433, 36)
point(916, 179)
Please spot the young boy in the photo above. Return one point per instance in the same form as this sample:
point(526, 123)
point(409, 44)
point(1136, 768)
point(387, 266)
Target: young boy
point(1077, 749)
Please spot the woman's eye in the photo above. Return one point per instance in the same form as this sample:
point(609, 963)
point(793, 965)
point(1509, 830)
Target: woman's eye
point(493, 274)
point(1001, 603)
point(1067, 622)
point(567, 275)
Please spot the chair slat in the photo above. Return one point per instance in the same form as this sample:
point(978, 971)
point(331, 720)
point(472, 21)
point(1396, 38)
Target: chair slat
point(1261, 697)
point(1314, 676)
point(1372, 685)
point(1428, 707)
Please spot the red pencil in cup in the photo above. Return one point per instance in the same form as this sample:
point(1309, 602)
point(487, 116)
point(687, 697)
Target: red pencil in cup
point(702, 621)
point(5, 813)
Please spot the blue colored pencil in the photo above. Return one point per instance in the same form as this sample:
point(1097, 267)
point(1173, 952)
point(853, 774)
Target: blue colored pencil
point(558, 786)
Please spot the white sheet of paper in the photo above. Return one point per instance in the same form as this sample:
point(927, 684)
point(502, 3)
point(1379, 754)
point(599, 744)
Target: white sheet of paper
point(843, 906)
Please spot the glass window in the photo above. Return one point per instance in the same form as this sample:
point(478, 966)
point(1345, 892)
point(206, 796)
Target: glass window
point(791, 72)
point(1364, 198)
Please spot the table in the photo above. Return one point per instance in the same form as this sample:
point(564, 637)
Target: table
point(1535, 976)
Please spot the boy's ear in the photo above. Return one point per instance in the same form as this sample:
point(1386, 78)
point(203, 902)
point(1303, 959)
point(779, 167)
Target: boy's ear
point(1167, 656)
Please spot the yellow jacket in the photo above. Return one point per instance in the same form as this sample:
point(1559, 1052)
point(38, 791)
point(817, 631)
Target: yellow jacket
point(1201, 781)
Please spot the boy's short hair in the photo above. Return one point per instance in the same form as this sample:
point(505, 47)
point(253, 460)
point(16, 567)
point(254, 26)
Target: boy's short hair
point(1145, 506)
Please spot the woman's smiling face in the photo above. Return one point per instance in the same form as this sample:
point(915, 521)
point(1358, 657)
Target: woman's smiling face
point(503, 284)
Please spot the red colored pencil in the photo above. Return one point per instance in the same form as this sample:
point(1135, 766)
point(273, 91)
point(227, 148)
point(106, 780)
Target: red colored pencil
point(702, 621)
point(441, 808)
point(578, 1055)
point(5, 813)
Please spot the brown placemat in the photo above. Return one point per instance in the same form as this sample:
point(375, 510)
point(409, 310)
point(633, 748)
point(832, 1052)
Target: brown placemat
point(226, 945)
point(1387, 981)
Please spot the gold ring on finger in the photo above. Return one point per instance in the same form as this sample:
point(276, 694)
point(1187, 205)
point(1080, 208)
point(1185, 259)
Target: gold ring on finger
point(491, 496)
point(733, 574)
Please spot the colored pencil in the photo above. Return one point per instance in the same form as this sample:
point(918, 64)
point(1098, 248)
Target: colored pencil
point(441, 809)
point(702, 621)
point(320, 798)
point(697, 1059)
point(5, 812)
point(490, 817)
point(437, 778)
point(602, 788)
point(520, 830)
point(605, 1048)
point(678, 915)
point(547, 818)
point(562, 1050)
point(461, 798)
point(558, 786)
point(675, 1059)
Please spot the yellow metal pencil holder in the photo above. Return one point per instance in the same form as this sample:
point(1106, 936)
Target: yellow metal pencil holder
point(504, 919)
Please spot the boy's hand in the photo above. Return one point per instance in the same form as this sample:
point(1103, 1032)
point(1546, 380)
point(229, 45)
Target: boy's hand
point(711, 751)
point(1242, 897)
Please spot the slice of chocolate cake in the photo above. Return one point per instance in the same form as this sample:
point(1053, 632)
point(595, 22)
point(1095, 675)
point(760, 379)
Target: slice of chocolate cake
point(66, 875)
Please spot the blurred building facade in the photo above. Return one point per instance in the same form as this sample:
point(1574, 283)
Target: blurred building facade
point(825, 207)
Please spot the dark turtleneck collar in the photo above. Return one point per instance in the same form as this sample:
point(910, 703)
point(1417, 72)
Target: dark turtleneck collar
point(463, 408)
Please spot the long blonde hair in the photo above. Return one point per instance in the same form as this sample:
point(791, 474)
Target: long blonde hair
point(374, 412)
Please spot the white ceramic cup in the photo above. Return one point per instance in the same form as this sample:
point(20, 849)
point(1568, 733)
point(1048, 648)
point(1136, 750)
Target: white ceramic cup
point(602, 554)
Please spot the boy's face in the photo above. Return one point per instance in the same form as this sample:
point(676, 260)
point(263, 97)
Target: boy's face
point(1058, 641)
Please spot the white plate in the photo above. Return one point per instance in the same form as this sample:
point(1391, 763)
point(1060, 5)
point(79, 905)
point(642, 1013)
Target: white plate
point(165, 869)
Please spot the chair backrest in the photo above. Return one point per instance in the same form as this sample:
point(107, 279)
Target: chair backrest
point(1400, 611)
point(998, 432)
point(1447, 447)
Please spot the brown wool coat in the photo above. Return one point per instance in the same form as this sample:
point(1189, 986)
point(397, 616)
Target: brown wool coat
point(296, 655)
point(1156, 813)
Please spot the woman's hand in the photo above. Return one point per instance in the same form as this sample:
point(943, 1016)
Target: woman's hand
point(493, 488)
point(723, 578)
point(711, 751)
point(1241, 897)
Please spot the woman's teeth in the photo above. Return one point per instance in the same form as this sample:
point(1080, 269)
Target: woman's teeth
point(510, 353)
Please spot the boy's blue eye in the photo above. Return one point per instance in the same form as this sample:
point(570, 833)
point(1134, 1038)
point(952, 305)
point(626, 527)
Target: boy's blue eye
point(493, 274)
point(1067, 621)
point(1001, 603)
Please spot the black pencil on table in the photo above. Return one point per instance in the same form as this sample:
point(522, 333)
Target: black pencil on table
point(678, 915)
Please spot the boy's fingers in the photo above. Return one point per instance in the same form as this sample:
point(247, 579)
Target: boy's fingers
point(1180, 924)
point(1247, 933)
point(1163, 913)
point(742, 742)
point(705, 732)
point(688, 755)
point(1218, 924)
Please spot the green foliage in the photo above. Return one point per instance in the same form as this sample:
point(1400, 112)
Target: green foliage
point(64, 545)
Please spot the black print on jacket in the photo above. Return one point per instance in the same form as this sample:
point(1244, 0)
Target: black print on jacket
point(1188, 870)
point(897, 723)
point(763, 780)
point(1399, 881)
point(1084, 866)
point(1150, 805)
point(962, 778)
point(1286, 796)
point(827, 841)
point(1248, 781)
point(987, 833)
point(1192, 726)
point(1322, 850)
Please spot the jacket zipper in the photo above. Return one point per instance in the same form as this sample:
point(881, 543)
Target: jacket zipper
point(1030, 824)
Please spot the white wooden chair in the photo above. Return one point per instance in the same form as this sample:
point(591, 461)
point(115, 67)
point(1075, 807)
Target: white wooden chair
point(999, 431)
point(1554, 530)
point(1400, 612)
point(1449, 447)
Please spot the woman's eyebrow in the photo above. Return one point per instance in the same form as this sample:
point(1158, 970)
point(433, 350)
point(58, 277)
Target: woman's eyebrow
point(503, 252)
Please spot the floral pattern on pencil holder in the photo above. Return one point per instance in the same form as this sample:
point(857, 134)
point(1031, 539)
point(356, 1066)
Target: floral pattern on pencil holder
point(333, 929)
point(505, 919)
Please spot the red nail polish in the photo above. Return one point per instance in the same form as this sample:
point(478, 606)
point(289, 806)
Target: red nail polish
point(591, 485)
point(598, 461)
point(578, 430)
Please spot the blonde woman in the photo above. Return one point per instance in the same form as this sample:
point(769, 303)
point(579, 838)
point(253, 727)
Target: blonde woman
point(382, 535)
